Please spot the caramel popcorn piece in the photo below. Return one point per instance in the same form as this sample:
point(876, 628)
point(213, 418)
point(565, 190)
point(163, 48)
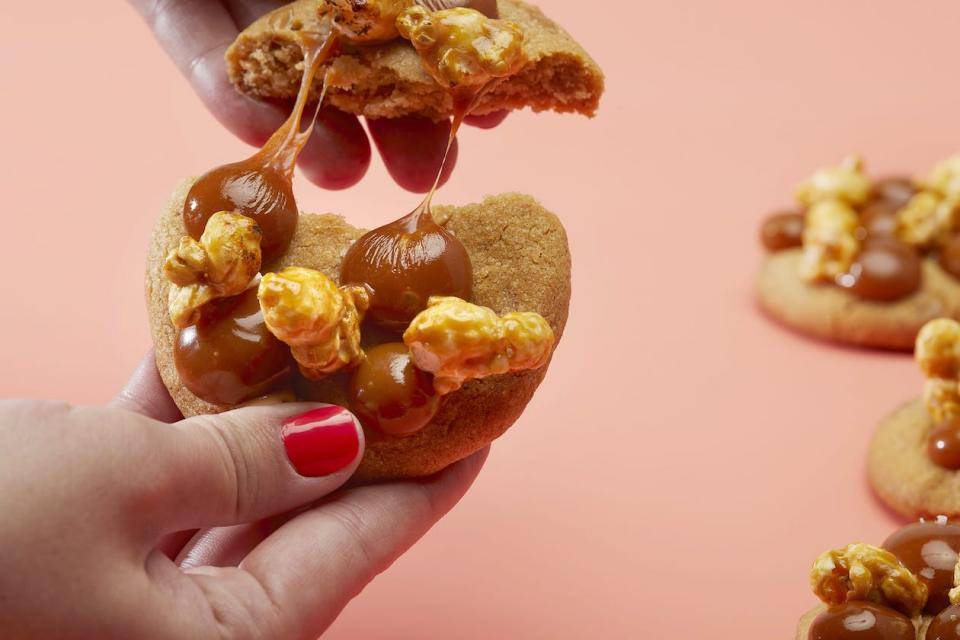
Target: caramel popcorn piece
point(954, 594)
point(938, 348)
point(846, 182)
point(928, 219)
point(320, 321)
point(365, 21)
point(938, 354)
point(944, 179)
point(457, 341)
point(221, 264)
point(830, 243)
point(865, 572)
point(941, 398)
point(462, 47)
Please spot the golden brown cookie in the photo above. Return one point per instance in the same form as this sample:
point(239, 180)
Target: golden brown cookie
point(902, 473)
point(521, 262)
point(828, 312)
point(388, 81)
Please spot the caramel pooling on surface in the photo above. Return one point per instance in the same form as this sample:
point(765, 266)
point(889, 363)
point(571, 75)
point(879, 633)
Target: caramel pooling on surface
point(830, 243)
point(458, 341)
point(462, 47)
point(221, 264)
point(863, 572)
point(938, 354)
point(317, 319)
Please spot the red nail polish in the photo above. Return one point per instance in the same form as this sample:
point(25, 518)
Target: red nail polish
point(322, 441)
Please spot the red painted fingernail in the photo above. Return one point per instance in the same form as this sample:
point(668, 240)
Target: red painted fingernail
point(322, 441)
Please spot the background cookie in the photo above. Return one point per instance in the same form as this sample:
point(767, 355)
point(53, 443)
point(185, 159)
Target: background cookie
point(388, 80)
point(521, 262)
point(830, 313)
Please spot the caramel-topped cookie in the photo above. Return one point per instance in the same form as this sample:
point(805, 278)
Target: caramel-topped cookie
point(865, 262)
point(388, 80)
point(914, 458)
point(521, 262)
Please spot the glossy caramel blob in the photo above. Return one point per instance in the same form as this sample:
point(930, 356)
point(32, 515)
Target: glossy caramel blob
point(782, 231)
point(946, 626)
point(261, 187)
point(892, 191)
point(929, 549)
point(391, 395)
point(229, 356)
point(878, 220)
point(404, 263)
point(365, 21)
point(949, 255)
point(254, 188)
point(884, 270)
point(943, 444)
point(861, 621)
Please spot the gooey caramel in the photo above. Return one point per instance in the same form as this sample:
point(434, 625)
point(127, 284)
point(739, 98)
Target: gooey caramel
point(404, 263)
point(884, 270)
point(943, 444)
point(230, 356)
point(946, 626)
point(391, 395)
point(861, 621)
point(261, 187)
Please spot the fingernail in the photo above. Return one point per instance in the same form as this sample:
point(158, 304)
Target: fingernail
point(321, 441)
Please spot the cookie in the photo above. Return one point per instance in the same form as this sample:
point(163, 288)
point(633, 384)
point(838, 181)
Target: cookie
point(388, 80)
point(830, 313)
point(902, 473)
point(521, 262)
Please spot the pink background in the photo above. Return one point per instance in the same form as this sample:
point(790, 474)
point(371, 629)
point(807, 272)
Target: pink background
point(686, 459)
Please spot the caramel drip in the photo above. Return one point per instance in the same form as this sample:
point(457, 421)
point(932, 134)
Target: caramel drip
point(286, 143)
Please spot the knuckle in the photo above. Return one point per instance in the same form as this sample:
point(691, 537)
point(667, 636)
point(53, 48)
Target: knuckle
point(239, 477)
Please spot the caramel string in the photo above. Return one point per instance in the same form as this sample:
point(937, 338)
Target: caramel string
point(288, 141)
point(458, 118)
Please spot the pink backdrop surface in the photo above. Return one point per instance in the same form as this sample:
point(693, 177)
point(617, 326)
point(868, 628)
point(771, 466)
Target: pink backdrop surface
point(685, 459)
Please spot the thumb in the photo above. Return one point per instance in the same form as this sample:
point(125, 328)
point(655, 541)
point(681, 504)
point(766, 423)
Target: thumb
point(251, 463)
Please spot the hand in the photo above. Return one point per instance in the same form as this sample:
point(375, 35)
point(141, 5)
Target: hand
point(92, 497)
point(196, 34)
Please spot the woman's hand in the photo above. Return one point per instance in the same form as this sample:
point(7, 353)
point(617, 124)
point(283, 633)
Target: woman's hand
point(95, 502)
point(196, 34)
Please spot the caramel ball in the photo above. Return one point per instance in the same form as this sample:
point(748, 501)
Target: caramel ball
point(949, 256)
point(404, 263)
point(943, 444)
point(884, 270)
point(389, 394)
point(946, 626)
point(251, 188)
point(878, 220)
point(229, 356)
point(861, 621)
point(782, 231)
point(894, 191)
point(929, 550)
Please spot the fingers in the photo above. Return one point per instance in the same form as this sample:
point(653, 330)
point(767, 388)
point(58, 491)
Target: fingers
point(412, 149)
point(337, 155)
point(316, 563)
point(146, 394)
point(244, 465)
